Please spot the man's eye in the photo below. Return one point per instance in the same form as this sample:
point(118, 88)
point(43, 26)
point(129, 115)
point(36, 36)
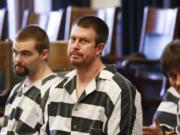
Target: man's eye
point(72, 40)
point(14, 52)
point(25, 53)
point(84, 41)
point(172, 77)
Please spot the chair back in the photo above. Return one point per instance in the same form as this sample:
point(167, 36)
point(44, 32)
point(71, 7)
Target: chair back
point(177, 28)
point(30, 17)
point(111, 18)
point(55, 26)
point(58, 59)
point(5, 66)
point(3, 22)
point(72, 13)
point(157, 30)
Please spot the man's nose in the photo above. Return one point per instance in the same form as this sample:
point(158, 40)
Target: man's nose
point(17, 57)
point(76, 44)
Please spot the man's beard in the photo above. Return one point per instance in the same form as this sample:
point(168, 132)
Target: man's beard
point(24, 71)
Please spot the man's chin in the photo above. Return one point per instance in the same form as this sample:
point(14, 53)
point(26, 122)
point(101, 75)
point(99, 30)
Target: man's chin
point(21, 73)
point(76, 64)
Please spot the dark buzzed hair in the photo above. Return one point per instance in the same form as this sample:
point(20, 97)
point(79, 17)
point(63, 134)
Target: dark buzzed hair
point(170, 58)
point(99, 26)
point(35, 33)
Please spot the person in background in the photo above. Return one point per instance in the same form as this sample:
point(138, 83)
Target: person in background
point(165, 119)
point(94, 98)
point(24, 106)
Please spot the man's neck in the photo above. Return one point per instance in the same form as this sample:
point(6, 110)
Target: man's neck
point(40, 74)
point(89, 73)
point(85, 76)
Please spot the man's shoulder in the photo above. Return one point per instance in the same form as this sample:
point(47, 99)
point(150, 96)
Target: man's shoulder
point(17, 86)
point(53, 77)
point(122, 81)
point(61, 80)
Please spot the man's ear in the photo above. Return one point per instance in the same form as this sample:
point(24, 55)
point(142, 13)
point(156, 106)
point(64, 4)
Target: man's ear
point(44, 54)
point(100, 48)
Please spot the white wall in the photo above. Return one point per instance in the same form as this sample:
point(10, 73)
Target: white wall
point(104, 3)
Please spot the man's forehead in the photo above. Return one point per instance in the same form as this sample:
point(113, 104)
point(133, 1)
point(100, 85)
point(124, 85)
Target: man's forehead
point(24, 45)
point(79, 28)
point(78, 31)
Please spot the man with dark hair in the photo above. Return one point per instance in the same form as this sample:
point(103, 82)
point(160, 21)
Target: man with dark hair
point(94, 98)
point(165, 119)
point(24, 107)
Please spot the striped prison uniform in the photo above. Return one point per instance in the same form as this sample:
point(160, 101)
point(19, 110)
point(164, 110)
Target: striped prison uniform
point(109, 105)
point(23, 111)
point(178, 119)
point(167, 110)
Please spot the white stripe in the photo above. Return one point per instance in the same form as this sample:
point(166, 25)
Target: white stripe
point(92, 112)
point(113, 124)
point(111, 88)
point(49, 83)
point(61, 95)
point(91, 87)
point(168, 107)
point(60, 123)
point(173, 91)
point(31, 116)
point(168, 126)
point(78, 133)
point(106, 75)
point(15, 103)
point(138, 126)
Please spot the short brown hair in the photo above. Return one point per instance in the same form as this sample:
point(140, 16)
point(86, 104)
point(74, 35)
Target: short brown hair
point(99, 26)
point(170, 58)
point(35, 33)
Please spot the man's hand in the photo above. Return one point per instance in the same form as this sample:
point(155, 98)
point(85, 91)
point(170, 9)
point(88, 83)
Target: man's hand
point(154, 129)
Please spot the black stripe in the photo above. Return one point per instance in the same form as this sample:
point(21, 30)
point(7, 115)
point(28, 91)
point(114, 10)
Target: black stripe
point(38, 126)
point(166, 118)
point(48, 78)
point(11, 99)
point(111, 68)
point(171, 98)
point(132, 89)
point(5, 121)
point(128, 109)
point(62, 109)
point(34, 94)
point(57, 132)
point(16, 113)
point(24, 129)
point(178, 129)
point(83, 95)
point(44, 100)
point(10, 133)
point(85, 125)
point(61, 84)
point(99, 98)
point(71, 85)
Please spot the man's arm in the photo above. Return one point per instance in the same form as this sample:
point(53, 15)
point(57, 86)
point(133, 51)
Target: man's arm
point(126, 117)
point(155, 129)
